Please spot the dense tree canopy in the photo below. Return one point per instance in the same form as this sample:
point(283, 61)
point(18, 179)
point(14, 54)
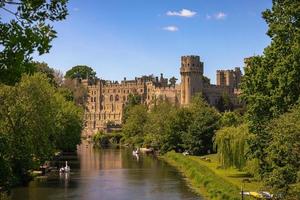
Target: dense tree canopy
point(271, 82)
point(133, 129)
point(283, 153)
point(198, 137)
point(80, 71)
point(29, 30)
point(35, 121)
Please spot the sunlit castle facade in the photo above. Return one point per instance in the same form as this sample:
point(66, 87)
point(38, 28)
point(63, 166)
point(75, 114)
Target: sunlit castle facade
point(107, 99)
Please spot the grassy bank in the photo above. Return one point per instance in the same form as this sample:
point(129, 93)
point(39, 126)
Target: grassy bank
point(206, 179)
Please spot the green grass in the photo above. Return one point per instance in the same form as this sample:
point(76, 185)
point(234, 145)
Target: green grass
point(209, 181)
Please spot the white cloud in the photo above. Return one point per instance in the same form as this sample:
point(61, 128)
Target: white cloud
point(182, 13)
point(171, 28)
point(220, 16)
point(208, 16)
point(217, 16)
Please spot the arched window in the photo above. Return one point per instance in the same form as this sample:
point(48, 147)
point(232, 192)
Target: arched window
point(91, 99)
point(111, 98)
point(94, 99)
point(124, 98)
point(117, 98)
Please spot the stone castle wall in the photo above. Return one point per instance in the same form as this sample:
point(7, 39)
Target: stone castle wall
point(107, 99)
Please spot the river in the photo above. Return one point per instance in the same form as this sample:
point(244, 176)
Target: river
point(109, 174)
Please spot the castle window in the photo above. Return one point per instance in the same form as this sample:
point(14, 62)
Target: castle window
point(124, 98)
point(91, 99)
point(94, 99)
point(111, 98)
point(117, 98)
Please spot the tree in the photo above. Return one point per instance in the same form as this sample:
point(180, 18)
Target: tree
point(80, 71)
point(133, 100)
point(27, 112)
point(133, 129)
point(230, 119)
point(271, 82)
point(29, 30)
point(231, 145)
point(177, 125)
point(198, 137)
point(70, 123)
point(224, 103)
point(74, 91)
point(283, 154)
point(157, 127)
point(43, 67)
point(35, 121)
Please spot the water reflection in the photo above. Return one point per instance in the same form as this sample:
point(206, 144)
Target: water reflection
point(110, 174)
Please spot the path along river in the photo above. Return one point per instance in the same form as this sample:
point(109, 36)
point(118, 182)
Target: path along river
point(110, 174)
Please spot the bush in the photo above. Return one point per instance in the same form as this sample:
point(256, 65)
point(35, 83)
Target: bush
point(105, 140)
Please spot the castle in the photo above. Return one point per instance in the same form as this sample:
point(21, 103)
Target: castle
point(107, 99)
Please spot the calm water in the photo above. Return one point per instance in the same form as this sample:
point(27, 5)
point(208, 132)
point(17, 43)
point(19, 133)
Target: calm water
point(108, 174)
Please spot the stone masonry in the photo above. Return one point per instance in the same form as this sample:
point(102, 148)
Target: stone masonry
point(107, 99)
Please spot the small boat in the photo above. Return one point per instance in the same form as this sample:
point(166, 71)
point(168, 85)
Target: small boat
point(259, 195)
point(65, 169)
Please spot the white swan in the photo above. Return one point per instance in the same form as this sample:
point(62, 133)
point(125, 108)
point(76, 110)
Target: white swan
point(65, 169)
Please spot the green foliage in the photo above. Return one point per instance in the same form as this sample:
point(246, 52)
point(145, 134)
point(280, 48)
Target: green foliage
point(166, 127)
point(35, 121)
point(80, 71)
point(203, 179)
point(231, 145)
point(133, 129)
point(43, 67)
point(271, 82)
point(70, 124)
point(283, 153)
point(28, 30)
point(132, 101)
point(204, 121)
point(73, 91)
point(224, 103)
point(107, 139)
point(101, 139)
point(230, 119)
point(158, 126)
point(270, 88)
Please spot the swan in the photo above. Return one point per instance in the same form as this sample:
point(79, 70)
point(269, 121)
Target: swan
point(65, 169)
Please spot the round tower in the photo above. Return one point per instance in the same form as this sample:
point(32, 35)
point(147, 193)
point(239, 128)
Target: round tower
point(191, 71)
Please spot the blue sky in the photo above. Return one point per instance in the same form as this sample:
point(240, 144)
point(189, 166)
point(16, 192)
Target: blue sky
point(128, 38)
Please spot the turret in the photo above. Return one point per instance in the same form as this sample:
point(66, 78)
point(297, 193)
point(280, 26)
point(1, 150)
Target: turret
point(191, 72)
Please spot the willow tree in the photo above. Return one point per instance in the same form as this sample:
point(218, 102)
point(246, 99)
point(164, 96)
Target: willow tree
point(231, 146)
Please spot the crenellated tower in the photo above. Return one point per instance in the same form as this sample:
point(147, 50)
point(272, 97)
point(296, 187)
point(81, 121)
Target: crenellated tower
point(191, 72)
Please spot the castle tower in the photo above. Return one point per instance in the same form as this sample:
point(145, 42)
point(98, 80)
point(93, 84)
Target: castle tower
point(191, 71)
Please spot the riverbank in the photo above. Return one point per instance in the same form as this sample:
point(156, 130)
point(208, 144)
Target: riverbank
point(206, 179)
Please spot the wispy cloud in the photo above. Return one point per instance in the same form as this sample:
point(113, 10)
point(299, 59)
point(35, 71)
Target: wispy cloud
point(220, 15)
point(217, 16)
point(182, 13)
point(171, 28)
